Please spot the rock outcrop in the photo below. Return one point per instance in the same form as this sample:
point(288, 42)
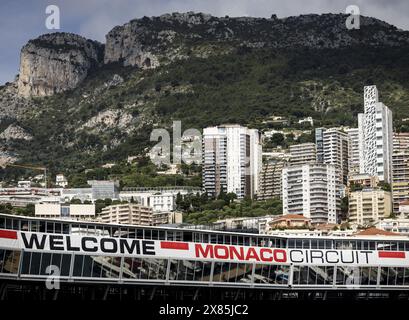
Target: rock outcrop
point(56, 62)
point(146, 42)
point(12, 105)
point(129, 44)
point(109, 119)
point(15, 132)
point(6, 158)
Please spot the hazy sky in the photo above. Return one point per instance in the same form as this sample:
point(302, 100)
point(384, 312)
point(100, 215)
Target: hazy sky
point(21, 20)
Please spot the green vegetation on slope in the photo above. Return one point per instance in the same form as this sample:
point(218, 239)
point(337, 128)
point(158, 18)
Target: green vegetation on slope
point(244, 86)
point(201, 210)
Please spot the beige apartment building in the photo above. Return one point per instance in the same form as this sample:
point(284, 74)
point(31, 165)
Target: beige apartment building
point(159, 218)
point(128, 213)
point(271, 179)
point(400, 169)
point(303, 153)
point(363, 181)
point(369, 206)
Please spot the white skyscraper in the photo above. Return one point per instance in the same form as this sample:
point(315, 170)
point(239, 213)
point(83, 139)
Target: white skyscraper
point(333, 148)
point(231, 160)
point(312, 190)
point(377, 136)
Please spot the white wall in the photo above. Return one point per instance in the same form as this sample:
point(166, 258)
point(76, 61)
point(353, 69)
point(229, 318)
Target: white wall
point(47, 209)
point(82, 209)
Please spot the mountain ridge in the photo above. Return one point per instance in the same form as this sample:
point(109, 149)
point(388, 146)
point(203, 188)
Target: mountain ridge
point(149, 42)
point(190, 67)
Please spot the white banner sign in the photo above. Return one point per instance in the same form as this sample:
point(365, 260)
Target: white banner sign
point(96, 245)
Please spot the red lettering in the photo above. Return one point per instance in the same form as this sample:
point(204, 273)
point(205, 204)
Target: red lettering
point(263, 257)
point(203, 253)
point(238, 253)
point(217, 253)
point(252, 254)
point(234, 254)
point(280, 252)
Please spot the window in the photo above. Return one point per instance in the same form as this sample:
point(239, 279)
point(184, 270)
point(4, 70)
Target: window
point(36, 263)
point(271, 274)
point(189, 270)
point(65, 211)
point(317, 275)
point(187, 236)
point(9, 261)
point(149, 268)
point(368, 276)
point(346, 275)
point(232, 272)
point(96, 266)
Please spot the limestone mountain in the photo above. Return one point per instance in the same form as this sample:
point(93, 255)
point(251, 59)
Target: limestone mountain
point(56, 62)
point(78, 103)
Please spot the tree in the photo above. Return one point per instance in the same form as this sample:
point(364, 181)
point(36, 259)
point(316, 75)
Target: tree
point(345, 206)
point(278, 139)
point(304, 138)
point(99, 205)
point(78, 181)
point(385, 186)
point(179, 200)
point(230, 197)
point(355, 187)
point(222, 195)
point(290, 138)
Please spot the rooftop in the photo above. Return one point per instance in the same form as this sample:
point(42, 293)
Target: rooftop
point(291, 217)
point(376, 232)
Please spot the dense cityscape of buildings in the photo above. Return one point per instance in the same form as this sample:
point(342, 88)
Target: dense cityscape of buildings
point(368, 165)
point(356, 175)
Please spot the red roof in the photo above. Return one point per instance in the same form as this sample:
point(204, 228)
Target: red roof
point(292, 217)
point(376, 232)
point(405, 203)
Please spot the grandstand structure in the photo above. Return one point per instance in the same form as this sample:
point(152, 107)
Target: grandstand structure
point(104, 260)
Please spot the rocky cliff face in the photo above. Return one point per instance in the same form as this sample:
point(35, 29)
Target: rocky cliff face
point(56, 62)
point(147, 42)
point(128, 44)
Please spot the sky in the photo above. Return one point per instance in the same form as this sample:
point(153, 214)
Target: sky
point(22, 20)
